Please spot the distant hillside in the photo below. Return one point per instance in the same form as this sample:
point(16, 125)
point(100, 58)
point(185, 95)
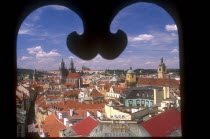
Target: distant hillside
point(141, 71)
point(22, 73)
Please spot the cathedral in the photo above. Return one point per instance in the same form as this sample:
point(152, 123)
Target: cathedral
point(69, 77)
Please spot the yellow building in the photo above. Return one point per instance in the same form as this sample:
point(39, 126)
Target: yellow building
point(115, 114)
point(130, 78)
point(162, 70)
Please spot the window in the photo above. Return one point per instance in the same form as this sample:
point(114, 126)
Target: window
point(130, 102)
point(151, 103)
point(137, 102)
point(147, 103)
point(142, 102)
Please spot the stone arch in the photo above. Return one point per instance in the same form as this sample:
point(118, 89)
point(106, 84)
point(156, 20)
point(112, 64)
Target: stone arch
point(21, 8)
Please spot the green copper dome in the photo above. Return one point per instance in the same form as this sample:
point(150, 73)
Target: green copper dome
point(130, 71)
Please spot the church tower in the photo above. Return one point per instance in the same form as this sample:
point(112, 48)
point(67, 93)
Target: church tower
point(35, 76)
point(63, 71)
point(130, 78)
point(72, 69)
point(162, 69)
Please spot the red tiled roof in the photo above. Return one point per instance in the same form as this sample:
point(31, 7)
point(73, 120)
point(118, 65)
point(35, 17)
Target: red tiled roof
point(158, 82)
point(95, 93)
point(69, 84)
point(85, 126)
point(163, 124)
point(80, 113)
point(120, 89)
point(73, 75)
point(70, 104)
point(43, 104)
point(52, 126)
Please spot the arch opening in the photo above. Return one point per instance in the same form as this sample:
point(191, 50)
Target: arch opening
point(147, 42)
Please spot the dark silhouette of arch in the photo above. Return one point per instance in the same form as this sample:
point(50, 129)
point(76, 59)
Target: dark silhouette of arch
point(96, 16)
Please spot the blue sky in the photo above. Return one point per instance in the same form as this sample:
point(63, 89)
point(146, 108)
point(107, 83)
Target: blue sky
point(151, 33)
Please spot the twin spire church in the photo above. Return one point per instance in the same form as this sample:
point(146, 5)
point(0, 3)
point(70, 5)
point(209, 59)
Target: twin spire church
point(69, 76)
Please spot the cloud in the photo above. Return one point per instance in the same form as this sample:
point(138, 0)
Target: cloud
point(174, 51)
point(38, 51)
point(28, 29)
point(23, 31)
point(34, 50)
point(44, 54)
point(25, 57)
point(172, 27)
point(142, 37)
point(148, 62)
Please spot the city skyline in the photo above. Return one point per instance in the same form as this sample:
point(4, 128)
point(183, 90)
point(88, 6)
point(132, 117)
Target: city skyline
point(42, 39)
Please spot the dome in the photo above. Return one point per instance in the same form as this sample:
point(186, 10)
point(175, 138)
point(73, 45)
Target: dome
point(130, 71)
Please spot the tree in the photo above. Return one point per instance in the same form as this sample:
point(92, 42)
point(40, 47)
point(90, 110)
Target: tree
point(73, 95)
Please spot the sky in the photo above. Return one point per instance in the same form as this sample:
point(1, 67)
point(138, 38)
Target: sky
point(151, 33)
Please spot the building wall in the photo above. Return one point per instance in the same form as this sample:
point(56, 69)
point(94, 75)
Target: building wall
point(162, 72)
point(23, 89)
point(113, 95)
point(40, 117)
point(46, 86)
point(131, 77)
point(143, 102)
point(110, 111)
point(103, 92)
point(21, 130)
point(158, 96)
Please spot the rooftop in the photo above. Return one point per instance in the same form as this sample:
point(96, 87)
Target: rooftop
point(158, 82)
point(85, 126)
point(163, 124)
point(73, 75)
point(52, 126)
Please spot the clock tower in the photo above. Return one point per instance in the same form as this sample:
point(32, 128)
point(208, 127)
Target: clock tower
point(162, 69)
